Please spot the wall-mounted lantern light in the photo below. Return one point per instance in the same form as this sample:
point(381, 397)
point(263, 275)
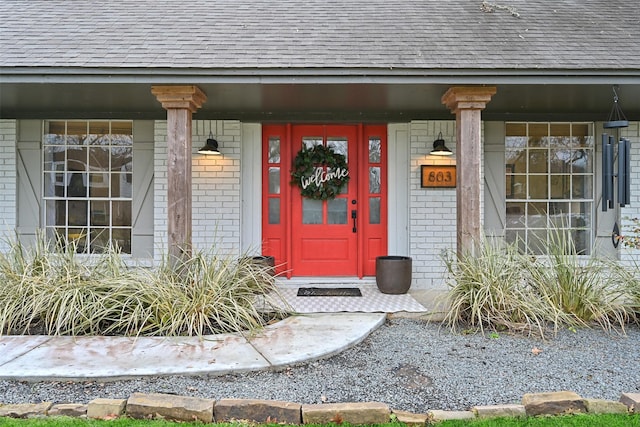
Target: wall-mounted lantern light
point(211, 147)
point(439, 149)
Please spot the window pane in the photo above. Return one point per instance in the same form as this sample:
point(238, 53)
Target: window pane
point(77, 212)
point(374, 210)
point(121, 213)
point(582, 187)
point(339, 145)
point(121, 139)
point(121, 185)
point(121, 128)
point(55, 133)
point(375, 150)
point(99, 184)
point(53, 182)
point(560, 186)
point(518, 236)
point(516, 161)
point(77, 158)
point(274, 211)
point(311, 211)
point(76, 133)
point(122, 238)
point(582, 241)
point(78, 238)
point(516, 141)
point(274, 180)
point(121, 159)
point(98, 133)
point(582, 161)
point(99, 240)
point(537, 241)
point(560, 129)
point(515, 129)
point(515, 215)
point(560, 161)
point(537, 215)
point(516, 186)
point(98, 158)
point(374, 180)
point(310, 141)
point(581, 214)
point(77, 184)
point(337, 211)
point(274, 149)
point(538, 187)
point(538, 161)
point(100, 213)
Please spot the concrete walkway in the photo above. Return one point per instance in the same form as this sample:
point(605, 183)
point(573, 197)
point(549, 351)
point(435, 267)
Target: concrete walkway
point(295, 339)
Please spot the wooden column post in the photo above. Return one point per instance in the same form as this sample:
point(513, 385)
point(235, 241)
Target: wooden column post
point(180, 103)
point(467, 103)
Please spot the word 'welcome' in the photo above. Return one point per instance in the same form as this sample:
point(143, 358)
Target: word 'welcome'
point(321, 176)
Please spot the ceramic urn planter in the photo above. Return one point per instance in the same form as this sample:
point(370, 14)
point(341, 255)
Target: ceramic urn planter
point(393, 274)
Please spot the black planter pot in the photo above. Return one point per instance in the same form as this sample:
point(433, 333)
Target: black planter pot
point(267, 261)
point(393, 274)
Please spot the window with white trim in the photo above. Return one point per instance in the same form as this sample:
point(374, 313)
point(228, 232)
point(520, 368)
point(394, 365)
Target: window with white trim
point(549, 184)
point(87, 183)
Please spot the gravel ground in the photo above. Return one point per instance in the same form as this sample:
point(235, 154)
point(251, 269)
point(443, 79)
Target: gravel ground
point(409, 364)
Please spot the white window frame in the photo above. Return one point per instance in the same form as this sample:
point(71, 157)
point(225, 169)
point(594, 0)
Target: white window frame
point(521, 228)
point(84, 244)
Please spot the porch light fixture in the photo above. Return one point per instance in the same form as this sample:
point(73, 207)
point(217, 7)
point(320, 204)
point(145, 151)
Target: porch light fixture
point(211, 147)
point(439, 149)
point(617, 119)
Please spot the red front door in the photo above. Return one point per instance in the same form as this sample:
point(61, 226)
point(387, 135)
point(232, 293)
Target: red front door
point(336, 237)
point(324, 231)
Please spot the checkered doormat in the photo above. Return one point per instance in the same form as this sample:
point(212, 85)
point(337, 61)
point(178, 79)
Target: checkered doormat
point(372, 301)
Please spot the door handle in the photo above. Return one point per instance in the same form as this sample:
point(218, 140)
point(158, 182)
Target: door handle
point(354, 215)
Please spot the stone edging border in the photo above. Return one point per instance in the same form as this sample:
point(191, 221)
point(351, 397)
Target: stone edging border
point(184, 408)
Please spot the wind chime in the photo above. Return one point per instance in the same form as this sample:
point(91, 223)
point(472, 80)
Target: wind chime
point(616, 120)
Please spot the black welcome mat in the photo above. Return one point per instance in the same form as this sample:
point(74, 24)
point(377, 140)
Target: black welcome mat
point(329, 292)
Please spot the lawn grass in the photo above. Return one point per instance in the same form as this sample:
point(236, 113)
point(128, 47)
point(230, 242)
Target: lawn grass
point(586, 420)
point(581, 420)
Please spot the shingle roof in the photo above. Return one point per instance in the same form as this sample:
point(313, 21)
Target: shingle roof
point(583, 35)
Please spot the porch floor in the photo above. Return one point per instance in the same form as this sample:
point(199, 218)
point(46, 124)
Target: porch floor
point(417, 302)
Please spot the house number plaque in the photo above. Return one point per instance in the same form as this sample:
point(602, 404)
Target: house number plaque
point(438, 176)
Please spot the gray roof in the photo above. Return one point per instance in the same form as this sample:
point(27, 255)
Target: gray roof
point(584, 36)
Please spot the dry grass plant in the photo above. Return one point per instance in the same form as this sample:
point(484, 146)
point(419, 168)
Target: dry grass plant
point(499, 288)
point(586, 289)
point(49, 289)
point(488, 289)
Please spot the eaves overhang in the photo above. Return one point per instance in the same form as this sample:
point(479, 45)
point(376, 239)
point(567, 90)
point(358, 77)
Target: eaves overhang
point(389, 75)
point(315, 94)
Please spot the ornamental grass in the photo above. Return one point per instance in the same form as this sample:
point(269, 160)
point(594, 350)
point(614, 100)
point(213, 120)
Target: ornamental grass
point(49, 289)
point(500, 288)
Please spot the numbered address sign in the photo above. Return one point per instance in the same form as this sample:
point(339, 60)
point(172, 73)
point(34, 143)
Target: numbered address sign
point(438, 176)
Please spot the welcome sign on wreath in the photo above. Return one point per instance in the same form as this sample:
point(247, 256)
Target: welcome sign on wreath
point(319, 172)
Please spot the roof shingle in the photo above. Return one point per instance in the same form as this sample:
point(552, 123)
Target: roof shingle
point(345, 34)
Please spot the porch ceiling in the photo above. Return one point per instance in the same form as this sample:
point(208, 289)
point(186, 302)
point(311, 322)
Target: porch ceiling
point(315, 101)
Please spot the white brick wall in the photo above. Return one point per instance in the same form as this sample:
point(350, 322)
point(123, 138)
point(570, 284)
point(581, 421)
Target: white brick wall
point(432, 220)
point(632, 133)
point(8, 172)
point(215, 187)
